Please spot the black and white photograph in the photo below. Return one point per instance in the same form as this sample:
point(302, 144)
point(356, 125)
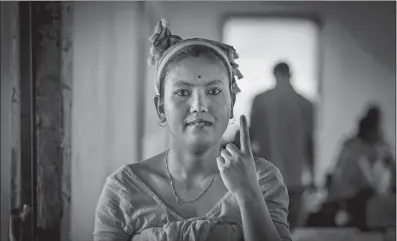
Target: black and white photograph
point(198, 120)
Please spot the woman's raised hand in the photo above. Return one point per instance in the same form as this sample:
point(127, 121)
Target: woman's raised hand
point(237, 167)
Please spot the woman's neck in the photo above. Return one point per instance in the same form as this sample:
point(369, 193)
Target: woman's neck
point(186, 164)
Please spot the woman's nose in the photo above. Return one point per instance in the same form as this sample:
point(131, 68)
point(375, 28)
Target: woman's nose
point(199, 103)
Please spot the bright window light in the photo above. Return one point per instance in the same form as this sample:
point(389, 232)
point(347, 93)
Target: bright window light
point(261, 43)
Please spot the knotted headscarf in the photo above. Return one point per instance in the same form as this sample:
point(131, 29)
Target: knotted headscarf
point(165, 45)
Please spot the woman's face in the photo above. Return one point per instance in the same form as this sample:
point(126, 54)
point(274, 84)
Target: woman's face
point(197, 101)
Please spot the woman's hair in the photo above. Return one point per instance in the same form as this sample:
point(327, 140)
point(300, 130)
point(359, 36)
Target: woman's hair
point(191, 51)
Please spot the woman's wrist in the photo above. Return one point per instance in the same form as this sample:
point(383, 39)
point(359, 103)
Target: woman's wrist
point(249, 195)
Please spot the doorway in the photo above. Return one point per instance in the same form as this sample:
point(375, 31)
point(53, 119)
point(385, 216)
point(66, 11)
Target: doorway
point(263, 41)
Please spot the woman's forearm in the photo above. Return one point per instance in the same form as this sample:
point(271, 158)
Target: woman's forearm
point(257, 223)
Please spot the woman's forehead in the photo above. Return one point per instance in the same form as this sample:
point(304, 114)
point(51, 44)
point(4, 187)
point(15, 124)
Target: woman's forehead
point(199, 70)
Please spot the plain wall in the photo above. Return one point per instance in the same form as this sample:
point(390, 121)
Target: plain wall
point(357, 64)
point(106, 91)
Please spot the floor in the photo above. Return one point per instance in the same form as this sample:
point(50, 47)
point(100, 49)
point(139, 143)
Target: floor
point(340, 234)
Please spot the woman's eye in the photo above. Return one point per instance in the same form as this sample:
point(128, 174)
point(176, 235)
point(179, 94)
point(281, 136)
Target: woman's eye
point(214, 91)
point(182, 92)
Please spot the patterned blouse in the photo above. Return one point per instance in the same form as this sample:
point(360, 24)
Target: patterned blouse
point(129, 210)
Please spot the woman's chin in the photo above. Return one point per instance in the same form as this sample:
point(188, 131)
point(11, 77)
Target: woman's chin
point(201, 141)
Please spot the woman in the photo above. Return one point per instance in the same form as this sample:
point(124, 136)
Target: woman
point(194, 190)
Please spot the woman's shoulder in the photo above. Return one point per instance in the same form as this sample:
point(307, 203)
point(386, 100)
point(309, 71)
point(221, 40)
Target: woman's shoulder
point(271, 181)
point(127, 172)
point(275, 194)
point(131, 179)
point(265, 168)
point(149, 168)
point(124, 195)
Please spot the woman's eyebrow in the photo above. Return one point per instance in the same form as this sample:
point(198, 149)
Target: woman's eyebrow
point(214, 82)
point(185, 83)
point(181, 83)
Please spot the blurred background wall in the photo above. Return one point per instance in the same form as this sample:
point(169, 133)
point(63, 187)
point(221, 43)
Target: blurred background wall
point(107, 94)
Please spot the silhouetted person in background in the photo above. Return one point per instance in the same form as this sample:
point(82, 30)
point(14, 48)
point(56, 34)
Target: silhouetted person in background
point(365, 169)
point(282, 123)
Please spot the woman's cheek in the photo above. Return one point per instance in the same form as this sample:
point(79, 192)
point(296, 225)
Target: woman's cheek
point(175, 108)
point(223, 102)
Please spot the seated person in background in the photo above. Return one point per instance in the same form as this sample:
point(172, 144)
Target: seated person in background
point(195, 191)
point(365, 169)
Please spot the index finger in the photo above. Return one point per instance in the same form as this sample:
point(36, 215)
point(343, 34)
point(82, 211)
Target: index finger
point(244, 135)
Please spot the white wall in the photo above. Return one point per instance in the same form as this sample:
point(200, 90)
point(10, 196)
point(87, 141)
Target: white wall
point(358, 60)
point(106, 92)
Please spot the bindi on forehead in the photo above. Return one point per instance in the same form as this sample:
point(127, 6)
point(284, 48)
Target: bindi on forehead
point(193, 71)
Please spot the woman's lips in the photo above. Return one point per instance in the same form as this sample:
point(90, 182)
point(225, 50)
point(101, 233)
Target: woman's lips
point(199, 123)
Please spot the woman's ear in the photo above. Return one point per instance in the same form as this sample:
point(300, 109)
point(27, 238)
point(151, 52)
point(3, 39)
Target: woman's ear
point(233, 97)
point(159, 104)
